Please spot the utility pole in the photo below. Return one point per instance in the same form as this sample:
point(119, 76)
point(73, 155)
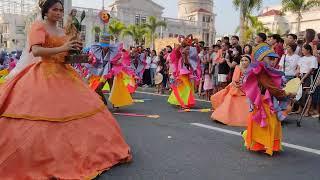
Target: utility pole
point(104, 26)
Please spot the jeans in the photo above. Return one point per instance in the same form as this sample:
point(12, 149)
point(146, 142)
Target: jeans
point(153, 74)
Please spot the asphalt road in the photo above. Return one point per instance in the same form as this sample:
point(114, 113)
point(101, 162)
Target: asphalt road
point(171, 148)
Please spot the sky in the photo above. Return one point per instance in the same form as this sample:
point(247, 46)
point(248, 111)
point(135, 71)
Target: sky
point(226, 20)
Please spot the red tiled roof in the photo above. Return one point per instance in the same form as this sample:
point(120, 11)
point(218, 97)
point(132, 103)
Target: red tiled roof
point(271, 12)
point(201, 10)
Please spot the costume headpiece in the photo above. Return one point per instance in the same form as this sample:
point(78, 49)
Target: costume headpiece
point(43, 2)
point(263, 50)
point(104, 16)
point(248, 57)
point(105, 40)
point(187, 41)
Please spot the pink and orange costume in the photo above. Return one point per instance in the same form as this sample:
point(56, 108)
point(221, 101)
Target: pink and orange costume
point(230, 104)
point(52, 124)
point(124, 76)
point(186, 74)
point(115, 64)
point(263, 87)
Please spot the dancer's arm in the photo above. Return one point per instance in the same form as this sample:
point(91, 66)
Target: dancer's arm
point(264, 80)
point(39, 51)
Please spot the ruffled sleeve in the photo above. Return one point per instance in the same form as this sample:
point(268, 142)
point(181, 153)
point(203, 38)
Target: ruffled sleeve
point(37, 35)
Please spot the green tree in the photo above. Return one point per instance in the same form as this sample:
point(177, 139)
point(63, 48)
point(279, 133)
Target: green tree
point(152, 25)
point(251, 27)
point(136, 32)
point(246, 8)
point(255, 26)
point(298, 7)
point(115, 28)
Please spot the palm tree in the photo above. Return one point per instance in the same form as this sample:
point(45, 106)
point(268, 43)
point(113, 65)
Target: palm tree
point(246, 7)
point(96, 30)
point(152, 26)
point(255, 26)
point(115, 28)
point(298, 7)
point(136, 32)
point(251, 27)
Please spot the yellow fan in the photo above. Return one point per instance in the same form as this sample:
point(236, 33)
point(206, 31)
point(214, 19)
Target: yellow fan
point(293, 86)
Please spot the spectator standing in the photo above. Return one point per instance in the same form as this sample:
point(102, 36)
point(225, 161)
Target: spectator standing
point(275, 42)
point(224, 68)
point(214, 70)
point(153, 66)
point(292, 40)
point(260, 38)
point(306, 66)
point(146, 74)
point(289, 62)
point(247, 50)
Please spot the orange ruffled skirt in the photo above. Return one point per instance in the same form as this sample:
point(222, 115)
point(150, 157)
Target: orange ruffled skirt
point(53, 125)
point(230, 107)
point(230, 104)
point(266, 139)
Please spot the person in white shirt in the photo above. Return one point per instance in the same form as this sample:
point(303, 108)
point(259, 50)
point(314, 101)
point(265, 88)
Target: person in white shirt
point(306, 66)
point(153, 65)
point(292, 39)
point(289, 62)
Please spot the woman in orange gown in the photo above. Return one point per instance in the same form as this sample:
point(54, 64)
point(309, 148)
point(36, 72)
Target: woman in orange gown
point(52, 124)
point(230, 104)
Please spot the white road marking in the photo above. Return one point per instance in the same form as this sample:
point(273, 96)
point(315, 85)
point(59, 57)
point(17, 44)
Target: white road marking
point(165, 95)
point(292, 146)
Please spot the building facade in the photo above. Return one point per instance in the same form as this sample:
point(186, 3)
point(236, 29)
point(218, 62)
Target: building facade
point(13, 15)
point(194, 17)
point(198, 19)
point(283, 23)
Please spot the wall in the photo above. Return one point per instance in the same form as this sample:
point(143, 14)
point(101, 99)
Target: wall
point(185, 7)
point(288, 22)
point(16, 36)
point(162, 43)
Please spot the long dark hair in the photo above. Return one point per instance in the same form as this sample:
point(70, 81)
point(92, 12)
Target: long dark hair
point(308, 48)
point(310, 35)
point(250, 48)
point(46, 5)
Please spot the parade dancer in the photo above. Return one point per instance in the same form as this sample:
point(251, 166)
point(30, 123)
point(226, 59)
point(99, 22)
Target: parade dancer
point(53, 126)
point(99, 65)
point(123, 76)
point(186, 73)
point(139, 63)
point(263, 87)
point(226, 102)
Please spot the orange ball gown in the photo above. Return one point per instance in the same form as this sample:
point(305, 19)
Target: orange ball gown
point(52, 124)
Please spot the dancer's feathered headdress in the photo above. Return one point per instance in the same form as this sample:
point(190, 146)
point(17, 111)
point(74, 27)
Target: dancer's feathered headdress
point(187, 41)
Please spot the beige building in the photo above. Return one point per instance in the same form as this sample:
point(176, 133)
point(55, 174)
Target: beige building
point(13, 15)
point(282, 23)
point(195, 17)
